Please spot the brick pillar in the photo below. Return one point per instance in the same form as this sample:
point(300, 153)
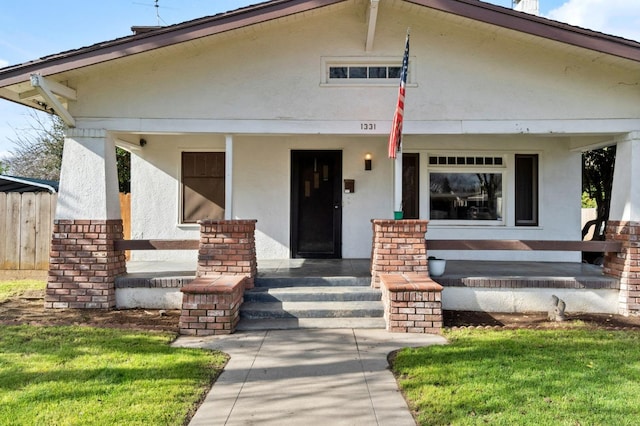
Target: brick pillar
point(211, 305)
point(624, 223)
point(228, 247)
point(84, 264)
point(625, 265)
point(398, 247)
point(412, 302)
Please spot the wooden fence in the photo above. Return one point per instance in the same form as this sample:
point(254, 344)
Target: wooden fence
point(125, 212)
point(26, 222)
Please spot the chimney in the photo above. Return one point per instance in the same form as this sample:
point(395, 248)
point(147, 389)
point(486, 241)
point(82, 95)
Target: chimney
point(527, 6)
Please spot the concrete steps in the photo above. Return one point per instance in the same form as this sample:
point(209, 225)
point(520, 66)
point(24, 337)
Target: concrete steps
point(288, 282)
point(311, 302)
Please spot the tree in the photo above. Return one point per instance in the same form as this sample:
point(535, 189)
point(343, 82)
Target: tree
point(38, 152)
point(597, 181)
point(123, 158)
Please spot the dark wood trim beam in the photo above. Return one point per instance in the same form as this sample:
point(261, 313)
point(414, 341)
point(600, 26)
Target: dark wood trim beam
point(156, 244)
point(532, 245)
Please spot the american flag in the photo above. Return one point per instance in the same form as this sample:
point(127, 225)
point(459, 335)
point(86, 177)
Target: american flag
point(395, 138)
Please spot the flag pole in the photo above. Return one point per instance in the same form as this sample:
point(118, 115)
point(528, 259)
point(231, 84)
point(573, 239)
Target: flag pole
point(395, 138)
point(397, 191)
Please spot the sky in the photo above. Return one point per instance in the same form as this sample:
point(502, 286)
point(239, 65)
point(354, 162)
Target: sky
point(30, 29)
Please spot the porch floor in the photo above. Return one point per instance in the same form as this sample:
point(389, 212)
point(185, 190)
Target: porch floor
point(458, 273)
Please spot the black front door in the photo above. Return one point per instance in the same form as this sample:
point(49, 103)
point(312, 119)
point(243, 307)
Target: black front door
point(316, 204)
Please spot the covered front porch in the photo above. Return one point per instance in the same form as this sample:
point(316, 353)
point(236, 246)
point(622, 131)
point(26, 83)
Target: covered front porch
point(456, 272)
point(490, 286)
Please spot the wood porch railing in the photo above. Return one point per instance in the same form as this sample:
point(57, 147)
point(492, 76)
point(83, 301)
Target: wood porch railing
point(524, 245)
point(156, 244)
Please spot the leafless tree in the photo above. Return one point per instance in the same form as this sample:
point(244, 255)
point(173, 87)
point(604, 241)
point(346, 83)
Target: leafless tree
point(38, 152)
point(38, 149)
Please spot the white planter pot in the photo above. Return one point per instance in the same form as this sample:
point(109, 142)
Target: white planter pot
point(436, 267)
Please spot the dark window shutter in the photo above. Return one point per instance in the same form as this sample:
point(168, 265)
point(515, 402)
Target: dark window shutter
point(203, 186)
point(526, 171)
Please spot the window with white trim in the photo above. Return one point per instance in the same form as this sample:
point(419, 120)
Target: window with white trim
point(466, 188)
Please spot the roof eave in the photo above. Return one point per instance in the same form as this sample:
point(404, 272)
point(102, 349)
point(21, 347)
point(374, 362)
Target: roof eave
point(167, 36)
point(27, 182)
point(537, 26)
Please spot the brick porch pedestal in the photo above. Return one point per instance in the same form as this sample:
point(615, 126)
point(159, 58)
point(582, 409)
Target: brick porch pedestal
point(399, 267)
point(228, 247)
point(84, 264)
point(413, 303)
point(211, 305)
point(625, 265)
point(398, 247)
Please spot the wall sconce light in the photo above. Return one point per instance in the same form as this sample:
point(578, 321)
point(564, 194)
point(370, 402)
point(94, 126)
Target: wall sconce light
point(367, 161)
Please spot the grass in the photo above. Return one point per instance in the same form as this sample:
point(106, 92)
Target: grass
point(92, 376)
point(9, 289)
point(576, 376)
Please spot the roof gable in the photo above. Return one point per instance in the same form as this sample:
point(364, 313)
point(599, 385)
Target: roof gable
point(276, 9)
point(163, 37)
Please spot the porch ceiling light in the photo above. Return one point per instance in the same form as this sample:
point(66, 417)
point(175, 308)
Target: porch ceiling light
point(367, 161)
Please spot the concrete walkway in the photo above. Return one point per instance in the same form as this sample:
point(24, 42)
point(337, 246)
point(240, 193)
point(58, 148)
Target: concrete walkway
point(306, 377)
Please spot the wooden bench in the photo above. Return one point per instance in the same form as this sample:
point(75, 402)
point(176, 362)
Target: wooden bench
point(413, 303)
point(211, 305)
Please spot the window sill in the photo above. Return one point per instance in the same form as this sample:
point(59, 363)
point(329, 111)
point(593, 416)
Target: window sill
point(493, 225)
point(395, 83)
point(188, 226)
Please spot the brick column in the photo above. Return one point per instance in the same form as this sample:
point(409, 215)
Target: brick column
point(211, 305)
point(624, 223)
point(84, 264)
point(412, 302)
point(228, 247)
point(398, 247)
point(625, 265)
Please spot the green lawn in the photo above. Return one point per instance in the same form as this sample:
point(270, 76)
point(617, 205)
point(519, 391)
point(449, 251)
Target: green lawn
point(14, 288)
point(574, 376)
point(92, 376)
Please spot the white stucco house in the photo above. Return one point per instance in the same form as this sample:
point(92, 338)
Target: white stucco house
point(268, 113)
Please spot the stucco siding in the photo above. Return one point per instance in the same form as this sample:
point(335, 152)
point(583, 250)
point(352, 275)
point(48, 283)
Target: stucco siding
point(559, 194)
point(155, 189)
point(458, 71)
point(261, 190)
point(266, 88)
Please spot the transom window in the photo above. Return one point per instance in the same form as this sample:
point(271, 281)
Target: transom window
point(356, 70)
point(447, 160)
point(364, 72)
